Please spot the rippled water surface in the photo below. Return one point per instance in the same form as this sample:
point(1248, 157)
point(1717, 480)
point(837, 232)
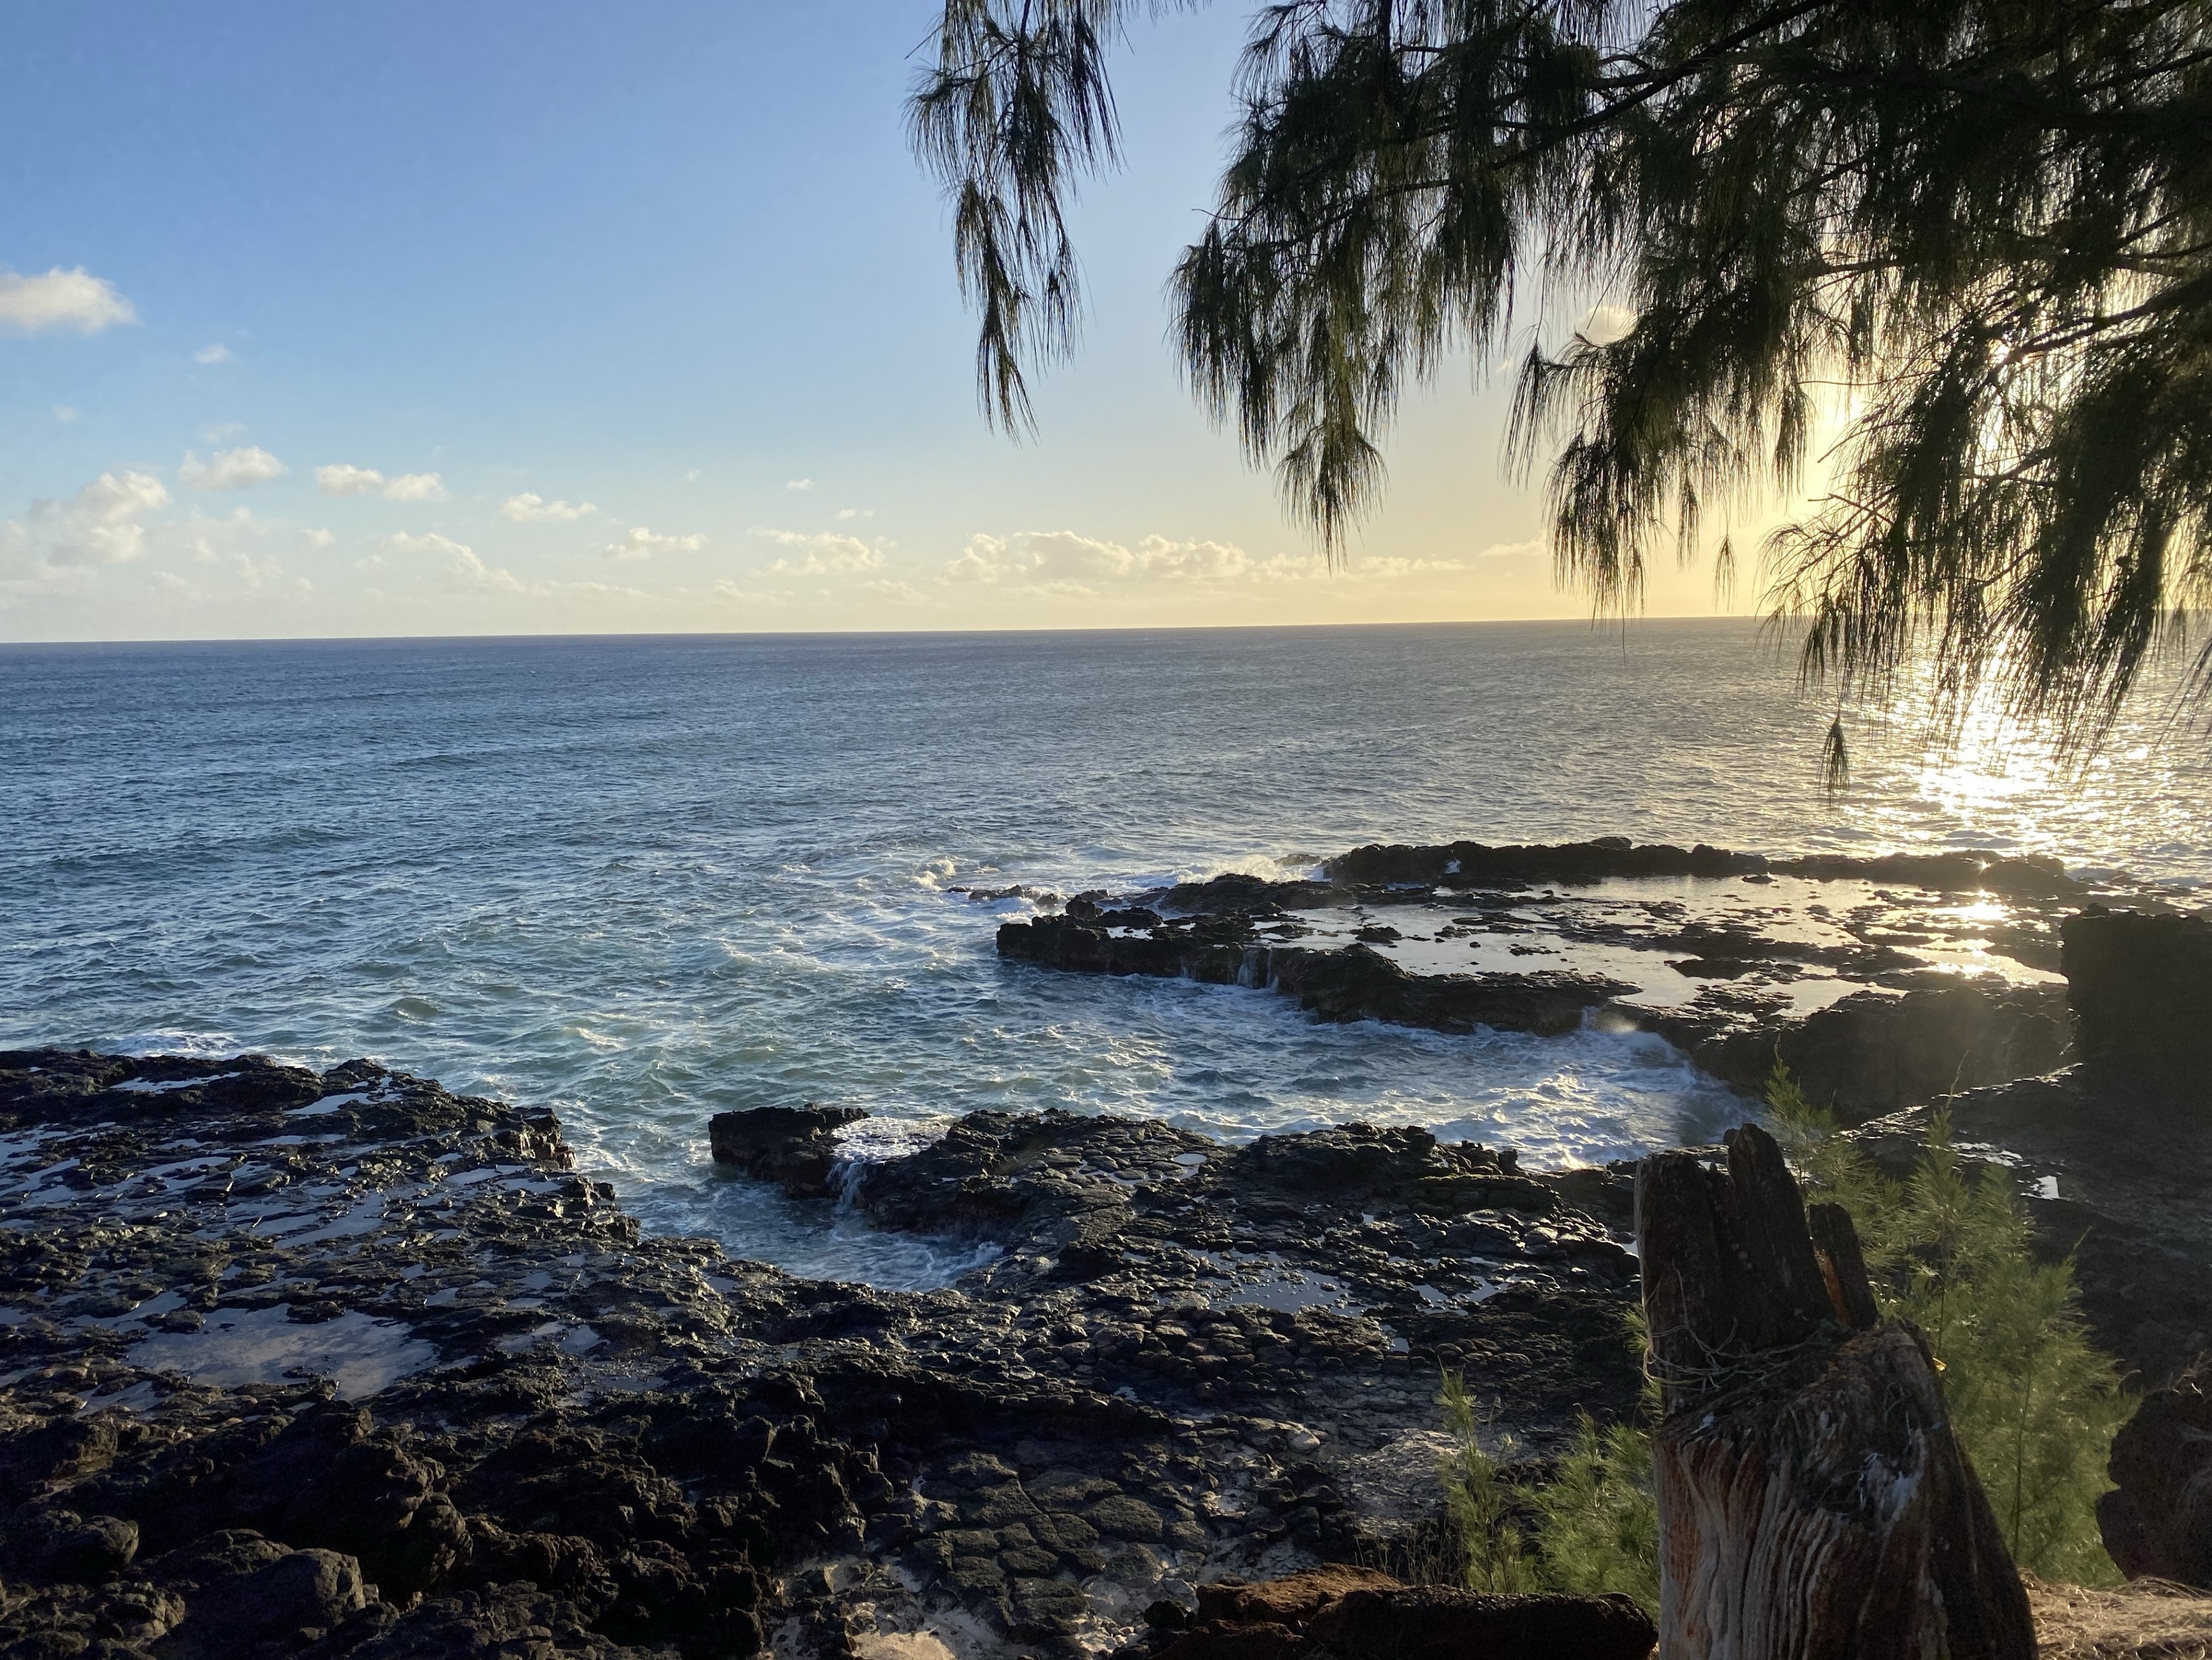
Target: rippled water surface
point(646, 881)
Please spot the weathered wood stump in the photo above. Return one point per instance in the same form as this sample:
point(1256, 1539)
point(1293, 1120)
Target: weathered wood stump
point(1813, 1500)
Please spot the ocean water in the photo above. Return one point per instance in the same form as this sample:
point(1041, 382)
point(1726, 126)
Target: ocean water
point(644, 880)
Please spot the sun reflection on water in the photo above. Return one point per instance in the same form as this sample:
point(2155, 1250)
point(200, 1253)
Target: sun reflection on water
point(1994, 780)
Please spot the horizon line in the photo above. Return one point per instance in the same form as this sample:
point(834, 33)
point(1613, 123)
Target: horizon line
point(1594, 622)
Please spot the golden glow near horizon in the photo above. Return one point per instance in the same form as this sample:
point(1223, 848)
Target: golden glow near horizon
point(129, 556)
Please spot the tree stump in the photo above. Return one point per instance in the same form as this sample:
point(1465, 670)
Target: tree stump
point(1813, 1500)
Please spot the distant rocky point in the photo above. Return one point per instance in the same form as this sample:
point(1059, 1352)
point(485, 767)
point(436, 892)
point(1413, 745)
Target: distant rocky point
point(1881, 983)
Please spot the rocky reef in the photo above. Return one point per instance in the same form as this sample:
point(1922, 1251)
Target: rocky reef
point(1881, 983)
point(2141, 991)
point(343, 1364)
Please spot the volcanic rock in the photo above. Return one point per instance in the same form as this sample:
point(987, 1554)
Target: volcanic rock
point(1360, 1614)
point(2114, 1179)
point(794, 1146)
point(1872, 1052)
point(344, 1364)
point(1471, 864)
point(2157, 1520)
point(1903, 1026)
point(2141, 991)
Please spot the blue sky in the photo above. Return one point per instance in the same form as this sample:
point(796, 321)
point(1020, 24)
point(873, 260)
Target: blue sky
point(376, 299)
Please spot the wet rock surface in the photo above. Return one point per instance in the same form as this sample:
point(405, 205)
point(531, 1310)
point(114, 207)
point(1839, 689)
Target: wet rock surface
point(343, 1364)
point(796, 1146)
point(1882, 983)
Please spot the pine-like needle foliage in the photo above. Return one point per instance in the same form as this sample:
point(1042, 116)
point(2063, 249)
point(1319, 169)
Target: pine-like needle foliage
point(1592, 1528)
point(2034, 1403)
point(1977, 233)
point(1482, 1502)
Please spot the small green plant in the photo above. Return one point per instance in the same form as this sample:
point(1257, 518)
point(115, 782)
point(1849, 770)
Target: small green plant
point(1481, 1500)
point(2034, 1404)
point(1591, 1529)
point(1597, 1519)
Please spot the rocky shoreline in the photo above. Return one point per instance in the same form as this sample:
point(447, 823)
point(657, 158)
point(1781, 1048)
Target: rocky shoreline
point(347, 1365)
point(343, 1364)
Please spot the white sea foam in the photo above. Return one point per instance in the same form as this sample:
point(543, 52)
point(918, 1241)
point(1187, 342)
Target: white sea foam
point(197, 1045)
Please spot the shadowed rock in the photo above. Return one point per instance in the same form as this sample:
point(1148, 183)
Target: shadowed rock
point(1360, 1614)
point(290, 1602)
point(794, 1146)
point(2141, 991)
point(613, 1446)
point(2157, 1520)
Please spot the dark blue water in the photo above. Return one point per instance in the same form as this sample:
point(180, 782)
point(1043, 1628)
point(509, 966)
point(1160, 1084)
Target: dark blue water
point(643, 880)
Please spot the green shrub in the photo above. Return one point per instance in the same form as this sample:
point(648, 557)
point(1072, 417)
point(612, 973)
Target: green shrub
point(1597, 1519)
point(2034, 1404)
point(1591, 1529)
point(1481, 1501)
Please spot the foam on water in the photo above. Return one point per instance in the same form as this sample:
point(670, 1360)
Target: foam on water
point(641, 881)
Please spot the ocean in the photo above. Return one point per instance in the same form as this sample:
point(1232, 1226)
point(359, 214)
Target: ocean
point(643, 880)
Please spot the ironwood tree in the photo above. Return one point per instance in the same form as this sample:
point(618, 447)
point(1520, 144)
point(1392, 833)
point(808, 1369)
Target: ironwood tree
point(1942, 268)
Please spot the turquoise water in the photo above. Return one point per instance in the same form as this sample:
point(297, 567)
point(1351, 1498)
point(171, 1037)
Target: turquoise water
point(643, 880)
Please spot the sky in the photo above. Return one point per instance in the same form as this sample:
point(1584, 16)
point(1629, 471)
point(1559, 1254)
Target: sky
point(408, 318)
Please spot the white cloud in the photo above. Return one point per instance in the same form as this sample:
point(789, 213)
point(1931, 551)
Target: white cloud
point(109, 522)
point(463, 568)
point(596, 590)
point(728, 590)
point(256, 572)
point(217, 353)
point(532, 508)
point(1378, 569)
point(798, 486)
point(231, 470)
point(61, 300)
point(101, 527)
point(64, 413)
point(824, 552)
point(222, 432)
point(642, 543)
point(319, 538)
point(856, 512)
point(1063, 562)
point(692, 476)
point(903, 593)
point(343, 480)
point(1531, 548)
point(469, 572)
point(238, 542)
point(1606, 324)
